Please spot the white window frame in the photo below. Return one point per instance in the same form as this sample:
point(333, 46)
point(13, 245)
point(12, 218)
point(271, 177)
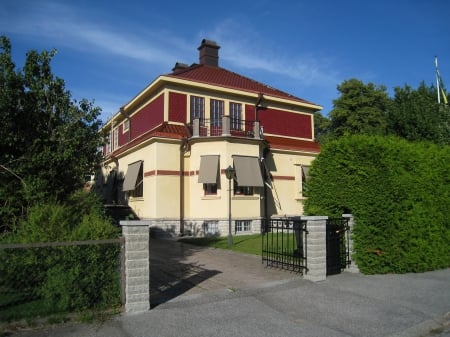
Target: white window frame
point(242, 226)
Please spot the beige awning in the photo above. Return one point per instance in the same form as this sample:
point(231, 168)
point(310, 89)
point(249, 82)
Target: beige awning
point(248, 171)
point(209, 167)
point(131, 176)
point(305, 171)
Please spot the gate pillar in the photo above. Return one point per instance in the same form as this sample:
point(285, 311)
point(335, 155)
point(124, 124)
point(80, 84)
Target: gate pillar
point(137, 265)
point(316, 247)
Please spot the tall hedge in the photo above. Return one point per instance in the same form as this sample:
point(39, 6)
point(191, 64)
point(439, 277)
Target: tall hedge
point(399, 193)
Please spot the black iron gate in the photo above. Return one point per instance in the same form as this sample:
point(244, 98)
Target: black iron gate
point(338, 253)
point(284, 244)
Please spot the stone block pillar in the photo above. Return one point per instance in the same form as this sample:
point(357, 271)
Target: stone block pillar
point(316, 246)
point(353, 268)
point(137, 265)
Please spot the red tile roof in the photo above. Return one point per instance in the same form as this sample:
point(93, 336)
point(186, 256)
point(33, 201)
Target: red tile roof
point(171, 131)
point(292, 144)
point(219, 76)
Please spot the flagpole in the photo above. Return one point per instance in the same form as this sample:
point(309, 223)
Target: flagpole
point(437, 80)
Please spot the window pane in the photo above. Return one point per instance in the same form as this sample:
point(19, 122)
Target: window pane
point(198, 108)
point(216, 112)
point(235, 115)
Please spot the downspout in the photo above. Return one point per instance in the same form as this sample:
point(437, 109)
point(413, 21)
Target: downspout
point(184, 147)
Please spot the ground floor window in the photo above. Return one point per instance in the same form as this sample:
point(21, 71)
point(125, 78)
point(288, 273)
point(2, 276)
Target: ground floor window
point(210, 189)
point(242, 190)
point(243, 226)
point(211, 227)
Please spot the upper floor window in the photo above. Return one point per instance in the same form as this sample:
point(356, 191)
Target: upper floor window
point(198, 109)
point(115, 138)
point(126, 125)
point(108, 144)
point(235, 115)
point(216, 112)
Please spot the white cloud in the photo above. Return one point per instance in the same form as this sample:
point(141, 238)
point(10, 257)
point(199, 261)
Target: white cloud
point(246, 48)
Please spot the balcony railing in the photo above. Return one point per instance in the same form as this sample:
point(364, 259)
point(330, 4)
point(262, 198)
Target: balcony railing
point(225, 126)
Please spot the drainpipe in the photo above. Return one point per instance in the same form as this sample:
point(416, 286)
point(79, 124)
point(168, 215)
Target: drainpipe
point(184, 147)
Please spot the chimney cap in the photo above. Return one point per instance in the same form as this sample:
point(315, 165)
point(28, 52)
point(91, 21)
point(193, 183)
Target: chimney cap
point(180, 66)
point(209, 43)
point(209, 53)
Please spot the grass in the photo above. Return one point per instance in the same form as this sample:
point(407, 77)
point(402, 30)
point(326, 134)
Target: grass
point(249, 244)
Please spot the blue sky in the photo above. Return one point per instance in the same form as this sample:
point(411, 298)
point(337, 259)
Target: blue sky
point(108, 51)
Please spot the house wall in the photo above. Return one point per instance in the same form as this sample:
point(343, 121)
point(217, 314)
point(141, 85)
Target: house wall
point(199, 205)
point(285, 123)
point(148, 117)
point(286, 198)
point(177, 107)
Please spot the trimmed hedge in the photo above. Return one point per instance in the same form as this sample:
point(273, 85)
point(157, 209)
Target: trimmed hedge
point(399, 193)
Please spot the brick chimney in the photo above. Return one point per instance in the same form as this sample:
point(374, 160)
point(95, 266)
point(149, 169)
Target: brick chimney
point(209, 53)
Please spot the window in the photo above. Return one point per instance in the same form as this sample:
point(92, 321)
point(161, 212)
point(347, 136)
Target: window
point(242, 226)
point(116, 138)
point(242, 190)
point(210, 228)
point(235, 116)
point(305, 176)
point(301, 177)
point(138, 191)
point(126, 125)
point(208, 173)
point(108, 144)
point(216, 112)
point(198, 109)
point(210, 189)
point(134, 179)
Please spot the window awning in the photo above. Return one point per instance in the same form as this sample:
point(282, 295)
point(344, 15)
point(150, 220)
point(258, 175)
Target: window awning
point(305, 171)
point(209, 167)
point(131, 176)
point(248, 171)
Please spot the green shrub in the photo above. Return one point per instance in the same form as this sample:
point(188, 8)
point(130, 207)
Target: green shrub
point(64, 277)
point(399, 193)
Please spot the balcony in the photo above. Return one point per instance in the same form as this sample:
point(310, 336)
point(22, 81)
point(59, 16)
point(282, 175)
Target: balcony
point(225, 127)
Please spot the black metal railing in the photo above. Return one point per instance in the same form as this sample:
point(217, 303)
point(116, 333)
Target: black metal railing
point(216, 127)
point(284, 244)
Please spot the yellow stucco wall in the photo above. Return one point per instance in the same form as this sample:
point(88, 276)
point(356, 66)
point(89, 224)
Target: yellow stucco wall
point(286, 197)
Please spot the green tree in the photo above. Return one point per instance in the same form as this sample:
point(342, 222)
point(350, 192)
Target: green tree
point(321, 127)
point(416, 115)
point(48, 141)
point(361, 109)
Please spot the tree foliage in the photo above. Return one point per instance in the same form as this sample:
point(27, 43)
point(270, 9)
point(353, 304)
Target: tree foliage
point(412, 114)
point(48, 141)
point(399, 193)
point(415, 115)
point(361, 109)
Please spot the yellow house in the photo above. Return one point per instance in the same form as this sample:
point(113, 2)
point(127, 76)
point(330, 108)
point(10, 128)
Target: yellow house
point(170, 147)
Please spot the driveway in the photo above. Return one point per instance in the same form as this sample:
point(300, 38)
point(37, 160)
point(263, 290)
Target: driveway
point(180, 270)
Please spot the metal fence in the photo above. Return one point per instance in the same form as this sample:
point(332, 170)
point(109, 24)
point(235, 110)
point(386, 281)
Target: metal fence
point(284, 244)
point(41, 279)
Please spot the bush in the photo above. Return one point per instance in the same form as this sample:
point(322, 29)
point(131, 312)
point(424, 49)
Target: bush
point(399, 193)
point(65, 277)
